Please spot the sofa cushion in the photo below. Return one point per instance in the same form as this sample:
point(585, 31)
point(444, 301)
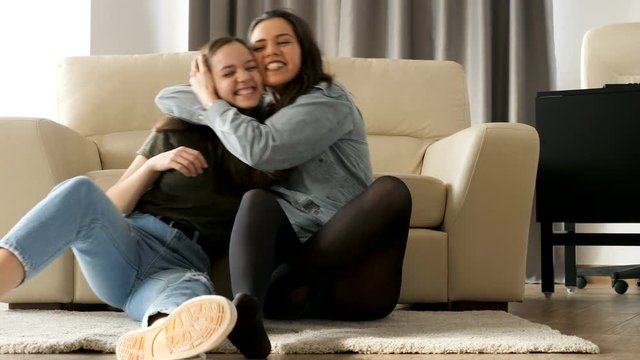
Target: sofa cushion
point(394, 94)
point(406, 105)
point(397, 154)
point(117, 150)
point(114, 94)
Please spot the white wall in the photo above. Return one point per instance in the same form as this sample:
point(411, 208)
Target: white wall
point(572, 19)
point(33, 40)
point(36, 34)
point(139, 27)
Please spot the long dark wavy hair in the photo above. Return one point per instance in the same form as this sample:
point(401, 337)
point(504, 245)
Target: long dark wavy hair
point(311, 70)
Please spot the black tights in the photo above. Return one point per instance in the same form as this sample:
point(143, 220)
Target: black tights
point(350, 270)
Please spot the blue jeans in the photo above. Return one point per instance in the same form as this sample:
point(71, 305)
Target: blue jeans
point(136, 263)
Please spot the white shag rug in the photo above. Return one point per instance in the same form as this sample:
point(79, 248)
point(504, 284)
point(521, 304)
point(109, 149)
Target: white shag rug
point(403, 332)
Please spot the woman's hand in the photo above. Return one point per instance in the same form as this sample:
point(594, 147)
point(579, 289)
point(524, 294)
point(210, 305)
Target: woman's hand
point(187, 161)
point(142, 172)
point(201, 81)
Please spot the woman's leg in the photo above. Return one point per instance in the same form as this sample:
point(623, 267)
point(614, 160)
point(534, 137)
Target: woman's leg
point(193, 320)
point(163, 292)
point(261, 237)
point(172, 269)
point(259, 232)
point(123, 259)
point(77, 213)
point(172, 284)
point(357, 257)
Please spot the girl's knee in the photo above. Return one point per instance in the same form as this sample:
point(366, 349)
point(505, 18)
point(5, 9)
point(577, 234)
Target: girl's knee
point(80, 192)
point(258, 198)
point(78, 185)
point(256, 195)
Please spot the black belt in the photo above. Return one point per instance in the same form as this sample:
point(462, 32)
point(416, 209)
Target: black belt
point(188, 230)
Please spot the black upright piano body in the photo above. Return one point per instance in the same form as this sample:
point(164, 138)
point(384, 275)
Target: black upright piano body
point(589, 169)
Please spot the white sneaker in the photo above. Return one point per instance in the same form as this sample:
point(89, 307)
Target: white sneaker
point(195, 327)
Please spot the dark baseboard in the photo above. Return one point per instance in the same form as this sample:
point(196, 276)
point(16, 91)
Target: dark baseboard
point(426, 307)
point(479, 305)
point(460, 306)
point(61, 306)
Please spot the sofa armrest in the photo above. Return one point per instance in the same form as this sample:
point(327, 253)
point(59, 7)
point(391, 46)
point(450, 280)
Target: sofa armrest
point(35, 155)
point(490, 172)
point(428, 195)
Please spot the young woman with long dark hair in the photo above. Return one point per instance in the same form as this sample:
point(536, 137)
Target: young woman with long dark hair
point(327, 241)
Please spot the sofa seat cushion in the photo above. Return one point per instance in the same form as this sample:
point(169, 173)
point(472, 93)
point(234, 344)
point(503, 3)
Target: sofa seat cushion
point(428, 212)
point(429, 196)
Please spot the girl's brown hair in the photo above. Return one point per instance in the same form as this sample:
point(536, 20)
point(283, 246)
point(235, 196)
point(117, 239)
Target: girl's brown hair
point(211, 48)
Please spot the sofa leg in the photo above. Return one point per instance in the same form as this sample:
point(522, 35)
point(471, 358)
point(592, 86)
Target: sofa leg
point(61, 306)
point(478, 305)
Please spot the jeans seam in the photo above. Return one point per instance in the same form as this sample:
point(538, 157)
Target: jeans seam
point(143, 273)
point(98, 224)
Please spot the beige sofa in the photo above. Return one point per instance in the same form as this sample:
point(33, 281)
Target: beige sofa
point(472, 186)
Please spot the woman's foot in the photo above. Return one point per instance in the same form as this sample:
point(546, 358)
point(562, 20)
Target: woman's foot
point(195, 327)
point(249, 335)
point(288, 294)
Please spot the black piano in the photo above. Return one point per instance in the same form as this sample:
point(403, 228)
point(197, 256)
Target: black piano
point(589, 170)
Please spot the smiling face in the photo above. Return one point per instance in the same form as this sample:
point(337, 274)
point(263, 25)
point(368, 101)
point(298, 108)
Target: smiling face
point(236, 76)
point(277, 52)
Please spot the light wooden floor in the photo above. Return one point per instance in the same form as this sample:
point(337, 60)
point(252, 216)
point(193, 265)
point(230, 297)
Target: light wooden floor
point(596, 313)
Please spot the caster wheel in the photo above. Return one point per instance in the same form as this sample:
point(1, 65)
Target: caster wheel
point(548, 295)
point(620, 286)
point(638, 282)
point(571, 289)
point(581, 282)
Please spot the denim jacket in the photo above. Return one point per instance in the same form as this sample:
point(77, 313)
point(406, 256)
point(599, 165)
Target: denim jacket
point(321, 138)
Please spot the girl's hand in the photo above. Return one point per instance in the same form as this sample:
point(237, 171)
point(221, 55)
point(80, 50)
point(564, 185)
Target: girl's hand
point(187, 161)
point(201, 81)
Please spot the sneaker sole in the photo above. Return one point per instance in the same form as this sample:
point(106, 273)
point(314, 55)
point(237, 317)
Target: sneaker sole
point(197, 326)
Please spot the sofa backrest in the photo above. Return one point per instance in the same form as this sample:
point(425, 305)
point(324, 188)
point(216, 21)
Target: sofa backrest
point(406, 104)
point(110, 98)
